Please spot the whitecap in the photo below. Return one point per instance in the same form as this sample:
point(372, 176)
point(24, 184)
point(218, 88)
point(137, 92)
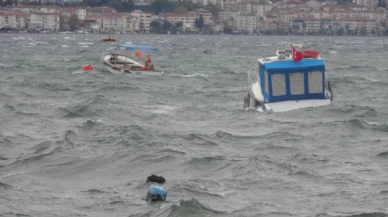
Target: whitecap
point(68, 38)
point(41, 42)
point(163, 109)
point(18, 38)
point(372, 79)
point(158, 109)
point(375, 124)
point(85, 43)
point(192, 75)
point(64, 46)
point(81, 72)
point(78, 72)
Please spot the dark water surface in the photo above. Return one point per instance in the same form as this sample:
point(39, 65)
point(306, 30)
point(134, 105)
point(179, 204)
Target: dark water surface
point(82, 144)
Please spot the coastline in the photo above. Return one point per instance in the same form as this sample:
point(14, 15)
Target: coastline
point(185, 34)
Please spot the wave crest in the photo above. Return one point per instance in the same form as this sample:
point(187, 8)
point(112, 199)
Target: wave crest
point(190, 208)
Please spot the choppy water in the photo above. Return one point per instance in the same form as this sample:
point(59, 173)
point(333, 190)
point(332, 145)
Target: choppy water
point(82, 144)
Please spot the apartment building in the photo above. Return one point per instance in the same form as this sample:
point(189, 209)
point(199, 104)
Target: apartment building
point(141, 21)
point(48, 21)
point(12, 19)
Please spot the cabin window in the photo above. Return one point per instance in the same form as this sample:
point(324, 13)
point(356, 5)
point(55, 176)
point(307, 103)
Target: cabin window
point(278, 84)
point(315, 82)
point(297, 83)
point(266, 82)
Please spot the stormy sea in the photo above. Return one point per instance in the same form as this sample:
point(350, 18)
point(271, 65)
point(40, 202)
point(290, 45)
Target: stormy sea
point(76, 143)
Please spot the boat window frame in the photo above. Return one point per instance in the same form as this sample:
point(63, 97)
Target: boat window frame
point(301, 84)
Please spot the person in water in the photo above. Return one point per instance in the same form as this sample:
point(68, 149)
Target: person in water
point(148, 63)
point(156, 192)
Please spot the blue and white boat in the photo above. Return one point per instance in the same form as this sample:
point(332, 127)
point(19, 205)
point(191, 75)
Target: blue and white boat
point(287, 81)
point(117, 62)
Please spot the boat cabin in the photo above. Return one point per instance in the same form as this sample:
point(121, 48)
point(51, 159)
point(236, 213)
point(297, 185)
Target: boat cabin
point(283, 80)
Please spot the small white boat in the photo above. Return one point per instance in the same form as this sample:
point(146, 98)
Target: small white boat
point(290, 80)
point(120, 63)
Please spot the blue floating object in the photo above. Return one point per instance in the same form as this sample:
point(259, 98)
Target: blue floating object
point(157, 193)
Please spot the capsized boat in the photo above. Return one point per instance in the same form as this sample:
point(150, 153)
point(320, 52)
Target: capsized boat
point(108, 38)
point(123, 63)
point(292, 79)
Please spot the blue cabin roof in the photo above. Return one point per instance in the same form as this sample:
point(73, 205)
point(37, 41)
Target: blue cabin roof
point(132, 47)
point(292, 66)
point(289, 80)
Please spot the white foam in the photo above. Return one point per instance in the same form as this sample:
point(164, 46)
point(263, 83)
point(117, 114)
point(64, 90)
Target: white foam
point(81, 72)
point(68, 38)
point(85, 43)
point(18, 38)
point(194, 75)
point(163, 109)
point(158, 109)
point(373, 80)
point(373, 123)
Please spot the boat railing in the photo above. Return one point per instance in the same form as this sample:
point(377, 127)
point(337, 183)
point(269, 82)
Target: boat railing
point(253, 75)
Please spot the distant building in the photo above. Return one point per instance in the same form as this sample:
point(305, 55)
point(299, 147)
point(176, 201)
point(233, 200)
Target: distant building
point(37, 9)
point(314, 5)
point(49, 21)
point(356, 23)
point(81, 12)
point(187, 19)
point(99, 10)
point(12, 19)
point(367, 3)
point(108, 22)
point(247, 23)
point(141, 21)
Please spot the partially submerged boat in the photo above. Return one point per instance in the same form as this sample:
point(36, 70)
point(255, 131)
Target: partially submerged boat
point(292, 79)
point(116, 62)
point(108, 38)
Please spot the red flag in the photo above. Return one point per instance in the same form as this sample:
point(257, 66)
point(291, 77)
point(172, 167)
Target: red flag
point(296, 55)
point(148, 58)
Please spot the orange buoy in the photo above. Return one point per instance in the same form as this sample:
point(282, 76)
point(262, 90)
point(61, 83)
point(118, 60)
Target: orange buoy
point(310, 53)
point(88, 67)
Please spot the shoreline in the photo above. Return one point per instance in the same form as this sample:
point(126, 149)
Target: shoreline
point(257, 35)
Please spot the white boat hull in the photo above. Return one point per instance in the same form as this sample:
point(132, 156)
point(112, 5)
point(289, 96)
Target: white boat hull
point(294, 105)
point(256, 101)
point(131, 63)
point(151, 73)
